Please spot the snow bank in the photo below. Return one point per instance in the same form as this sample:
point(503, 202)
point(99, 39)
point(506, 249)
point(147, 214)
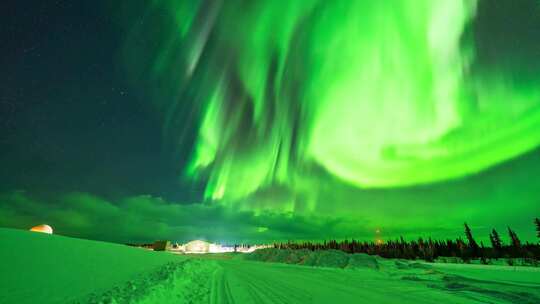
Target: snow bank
point(188, 281)
point(321, 258)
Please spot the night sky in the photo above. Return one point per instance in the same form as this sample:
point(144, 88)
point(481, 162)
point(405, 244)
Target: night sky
point(230, 121)
point(67, 107)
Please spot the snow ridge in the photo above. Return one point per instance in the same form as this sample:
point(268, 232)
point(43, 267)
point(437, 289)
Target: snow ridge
point(186, 281)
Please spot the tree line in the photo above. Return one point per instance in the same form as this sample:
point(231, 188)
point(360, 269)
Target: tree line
point(465, 248)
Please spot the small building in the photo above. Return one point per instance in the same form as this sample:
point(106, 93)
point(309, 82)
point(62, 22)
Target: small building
point(161, 245)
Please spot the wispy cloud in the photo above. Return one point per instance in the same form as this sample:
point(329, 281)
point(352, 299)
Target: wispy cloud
point(146, 218)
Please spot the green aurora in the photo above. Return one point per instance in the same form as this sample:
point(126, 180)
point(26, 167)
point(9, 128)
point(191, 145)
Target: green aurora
point(311, 119)
point(393, 113)
point(384, 111)
point(378, 94)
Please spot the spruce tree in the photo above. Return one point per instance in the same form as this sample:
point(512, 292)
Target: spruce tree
point(496, 244)
point(472, 243)
point(495, 240)
point(515, 240)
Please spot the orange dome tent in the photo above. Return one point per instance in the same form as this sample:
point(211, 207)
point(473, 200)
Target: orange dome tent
point(42, 228)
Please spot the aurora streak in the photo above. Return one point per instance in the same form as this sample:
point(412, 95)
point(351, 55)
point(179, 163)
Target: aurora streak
point(374, 94)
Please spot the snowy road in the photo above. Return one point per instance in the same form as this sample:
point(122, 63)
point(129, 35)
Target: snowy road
point(256, 282)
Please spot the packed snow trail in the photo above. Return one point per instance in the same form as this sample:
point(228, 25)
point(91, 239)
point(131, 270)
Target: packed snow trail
point(228, 279)
point(257, 282)
point(350, 277)
point(218, 279)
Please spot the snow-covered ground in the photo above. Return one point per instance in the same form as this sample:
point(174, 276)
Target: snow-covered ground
point(38, 268)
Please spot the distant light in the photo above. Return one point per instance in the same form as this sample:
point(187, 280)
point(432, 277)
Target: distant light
point(42, 228)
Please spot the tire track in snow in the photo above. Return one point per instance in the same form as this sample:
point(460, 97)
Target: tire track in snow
point(269, 283)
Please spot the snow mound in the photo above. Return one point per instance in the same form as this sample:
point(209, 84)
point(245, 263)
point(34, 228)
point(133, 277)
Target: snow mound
point(321, 258)
point(179, 282)
point(359, 260)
